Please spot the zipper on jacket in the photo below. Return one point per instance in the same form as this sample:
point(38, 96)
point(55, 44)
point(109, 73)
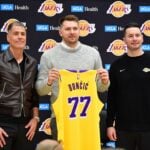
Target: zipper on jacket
point(22, 85)
point(22, 97)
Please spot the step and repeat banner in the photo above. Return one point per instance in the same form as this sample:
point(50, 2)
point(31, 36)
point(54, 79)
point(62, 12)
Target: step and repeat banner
point(101, 25)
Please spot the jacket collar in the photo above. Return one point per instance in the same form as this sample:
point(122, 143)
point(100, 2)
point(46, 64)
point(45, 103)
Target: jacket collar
point(9, 55)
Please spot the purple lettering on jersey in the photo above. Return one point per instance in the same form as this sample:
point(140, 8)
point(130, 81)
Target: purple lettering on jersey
point(76, 102)
point(78, 85)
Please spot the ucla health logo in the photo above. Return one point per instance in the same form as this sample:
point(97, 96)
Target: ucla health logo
point(4, 47)
point(107, 66)
point(86, 28)
point(77, 8)
point(42, 27)
point(144, 9)
point(117, 47)
point(119, 9)
point(146, 47)
point(44, 106)
point(145, 28)
point(50, 8)
point(47, 44)
point(110, 28)
point(6, 7)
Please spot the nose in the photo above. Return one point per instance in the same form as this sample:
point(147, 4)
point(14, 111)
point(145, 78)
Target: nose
point(72, 31)
point(19, 36)
point(134, 37)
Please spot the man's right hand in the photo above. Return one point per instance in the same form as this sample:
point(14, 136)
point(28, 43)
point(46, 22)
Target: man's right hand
point(3, 134)
point(111, 133)
point(52, 76)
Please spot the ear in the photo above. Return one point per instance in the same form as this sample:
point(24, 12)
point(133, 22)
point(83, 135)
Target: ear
point(7, 37)
point(60, 33)
point(123, 39)
point(142, 38)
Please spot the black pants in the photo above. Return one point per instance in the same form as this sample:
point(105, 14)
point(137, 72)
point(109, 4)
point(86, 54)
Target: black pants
point(53, 126)
point(17, 137)
point(133, 140)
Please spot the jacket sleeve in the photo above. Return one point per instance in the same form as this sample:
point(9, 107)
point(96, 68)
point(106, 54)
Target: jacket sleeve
point(35, 96)
point(111, 106)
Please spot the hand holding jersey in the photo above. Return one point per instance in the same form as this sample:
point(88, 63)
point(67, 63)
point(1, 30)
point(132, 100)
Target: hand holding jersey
point(54, 75)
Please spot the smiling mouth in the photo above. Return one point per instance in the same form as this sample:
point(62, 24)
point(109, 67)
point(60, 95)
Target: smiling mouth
point(20, 41)
point(135, 43)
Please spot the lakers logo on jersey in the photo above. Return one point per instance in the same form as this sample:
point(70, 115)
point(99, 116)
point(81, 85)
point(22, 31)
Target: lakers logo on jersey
point(77, 110)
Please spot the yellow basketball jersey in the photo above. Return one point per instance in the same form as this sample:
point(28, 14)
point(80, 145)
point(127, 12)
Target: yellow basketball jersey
point(77, 110)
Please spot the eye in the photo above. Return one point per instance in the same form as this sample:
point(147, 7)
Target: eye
point(130, 36)
point(137, 35)
point(23, 34)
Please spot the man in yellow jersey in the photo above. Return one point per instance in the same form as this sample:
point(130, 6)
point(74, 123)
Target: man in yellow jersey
point(69, 54)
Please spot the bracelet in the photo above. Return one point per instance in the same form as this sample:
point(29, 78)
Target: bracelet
point(37, 118)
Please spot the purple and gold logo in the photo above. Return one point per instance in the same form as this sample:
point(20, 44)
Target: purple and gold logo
point(50, 8)
point(118, 9)
point(45, 126)
point(117, 47)
point(145, 28)
point(6, 24)
point(86, 28)
point(47, 44)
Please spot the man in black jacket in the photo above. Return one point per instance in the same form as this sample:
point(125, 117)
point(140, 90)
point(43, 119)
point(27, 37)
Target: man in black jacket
point(128, 119)
point(19, 113)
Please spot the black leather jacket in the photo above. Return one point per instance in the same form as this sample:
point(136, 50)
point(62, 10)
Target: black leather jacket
point(17, 95)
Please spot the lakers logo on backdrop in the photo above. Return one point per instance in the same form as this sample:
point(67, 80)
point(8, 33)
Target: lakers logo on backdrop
point(119, 9)
point(50, 8)
point(7, 23)
point(45, 126)
point(145, 28)
point(117, 47)
point(47, 44)
point(86, 28)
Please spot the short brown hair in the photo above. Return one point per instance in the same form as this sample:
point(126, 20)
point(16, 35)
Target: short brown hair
point(130, 25)
point(15, 23)
point(68, 18)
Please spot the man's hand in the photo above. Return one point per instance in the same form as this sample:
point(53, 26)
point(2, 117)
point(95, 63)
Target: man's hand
point(103, 75)
point(111, 133)
point(32, 125)
point(52, 76)
point(3, 134)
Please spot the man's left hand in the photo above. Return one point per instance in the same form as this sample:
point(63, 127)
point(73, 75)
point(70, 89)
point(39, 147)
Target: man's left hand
point(103, 75)
point(32, 125)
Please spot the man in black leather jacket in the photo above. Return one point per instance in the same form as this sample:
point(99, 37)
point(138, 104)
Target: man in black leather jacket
point(19, 113)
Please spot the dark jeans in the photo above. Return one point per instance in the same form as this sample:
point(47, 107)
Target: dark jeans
point(53, 128)
point(17, 137)
point(133, 140)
